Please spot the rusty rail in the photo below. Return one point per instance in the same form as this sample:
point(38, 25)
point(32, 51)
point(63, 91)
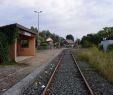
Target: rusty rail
point(86, 83)
point(45, 92)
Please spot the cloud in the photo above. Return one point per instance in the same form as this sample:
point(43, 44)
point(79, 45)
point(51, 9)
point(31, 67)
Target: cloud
point(62, 17)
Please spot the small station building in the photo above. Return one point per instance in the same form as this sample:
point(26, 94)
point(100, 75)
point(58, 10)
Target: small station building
point(24, 44)
point(69, 43)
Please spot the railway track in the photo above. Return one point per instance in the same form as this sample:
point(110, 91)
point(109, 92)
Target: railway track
point(67, 78)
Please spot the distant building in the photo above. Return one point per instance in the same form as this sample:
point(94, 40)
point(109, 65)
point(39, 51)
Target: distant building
point(69, 43)
point(106, 43)
point(24, 44)
point(50, 42)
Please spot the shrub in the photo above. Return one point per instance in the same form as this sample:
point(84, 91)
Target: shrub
point(44, 44)
point(110, 47)
point(100, 47)
point(101, 61)
point(86, 44)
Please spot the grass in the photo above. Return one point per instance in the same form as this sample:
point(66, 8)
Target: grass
point(101, 61)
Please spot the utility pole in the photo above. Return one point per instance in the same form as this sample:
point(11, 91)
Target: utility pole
point(38, 14)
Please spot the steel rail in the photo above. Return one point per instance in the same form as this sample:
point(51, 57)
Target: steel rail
point(86, 83)
point(45, 92)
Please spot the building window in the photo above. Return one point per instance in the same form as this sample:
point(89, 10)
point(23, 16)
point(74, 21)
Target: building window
point(24, 43)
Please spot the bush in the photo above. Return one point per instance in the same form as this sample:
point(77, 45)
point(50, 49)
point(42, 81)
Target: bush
point(43, 46)
point(110, 48)
point(86, 44)
point(101, 47)
point(102, 61)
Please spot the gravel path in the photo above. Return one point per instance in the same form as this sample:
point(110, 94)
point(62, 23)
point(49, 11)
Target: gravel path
point(68, 80)
point(99, 85)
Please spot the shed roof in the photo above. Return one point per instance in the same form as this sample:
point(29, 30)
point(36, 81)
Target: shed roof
point(19, 26)
point(49, 39)
point(69, 41)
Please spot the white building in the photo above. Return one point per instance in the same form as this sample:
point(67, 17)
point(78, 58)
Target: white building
point(106, 43)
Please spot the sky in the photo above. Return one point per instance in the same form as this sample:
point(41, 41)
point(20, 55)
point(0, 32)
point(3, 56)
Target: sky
point(62, 17)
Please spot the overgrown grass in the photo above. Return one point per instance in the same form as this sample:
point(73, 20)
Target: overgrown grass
point(102, 61)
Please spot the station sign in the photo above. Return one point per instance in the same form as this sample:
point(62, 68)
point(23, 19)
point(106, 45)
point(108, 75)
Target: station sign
point(27, 34)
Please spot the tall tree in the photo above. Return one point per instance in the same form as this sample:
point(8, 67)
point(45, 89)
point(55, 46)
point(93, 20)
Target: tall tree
point(70, 37)
point(34, 29)
point(104, 34)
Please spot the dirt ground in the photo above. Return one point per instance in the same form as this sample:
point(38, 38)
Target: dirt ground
point(11, 74)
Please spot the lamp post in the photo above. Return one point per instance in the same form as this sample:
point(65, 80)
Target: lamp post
point(38, 12)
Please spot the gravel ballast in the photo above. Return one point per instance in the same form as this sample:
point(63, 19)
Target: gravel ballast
point(38, 86)
point(99, 85)
point(67, 80)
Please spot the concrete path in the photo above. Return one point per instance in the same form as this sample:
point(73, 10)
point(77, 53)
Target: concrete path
point(11, 74)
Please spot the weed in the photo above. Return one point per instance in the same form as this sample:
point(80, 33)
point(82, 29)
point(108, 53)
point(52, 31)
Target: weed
point(101, 61)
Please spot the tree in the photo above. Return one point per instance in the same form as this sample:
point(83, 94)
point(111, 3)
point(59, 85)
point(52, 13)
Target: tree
point(78, 41)
point(106, 33)
point(70, 37)
point(43, 35)
point(62, 41)
point(34, 29)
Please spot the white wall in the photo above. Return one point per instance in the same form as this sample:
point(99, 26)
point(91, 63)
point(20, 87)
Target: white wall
point(106, 43)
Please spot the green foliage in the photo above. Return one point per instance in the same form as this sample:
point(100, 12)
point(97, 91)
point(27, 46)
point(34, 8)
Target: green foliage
point(78, 41)
point(70, 37)
point(101, 61)
point(46, 34)
point(91, 39)
point(105, 33)
point(41, 39)
point(3, 49)
point(56, 39)
point(7, 37)
point(43, 35)
point(86, 44)
point(110, 48)
point(61, 41)
point(10, 33)
point(100, 47)
point(34, 29)
point(44, 44)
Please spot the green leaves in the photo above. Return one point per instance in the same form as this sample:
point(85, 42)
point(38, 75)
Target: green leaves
point(106, 33)
point(3, 49)
point(70, 37)
point(7, 37)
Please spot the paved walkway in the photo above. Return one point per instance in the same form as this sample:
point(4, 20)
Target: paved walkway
point(11, 74)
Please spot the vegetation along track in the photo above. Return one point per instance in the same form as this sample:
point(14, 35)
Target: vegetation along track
point(67, 79)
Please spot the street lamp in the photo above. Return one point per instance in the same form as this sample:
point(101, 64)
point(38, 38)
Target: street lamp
point(38, 12)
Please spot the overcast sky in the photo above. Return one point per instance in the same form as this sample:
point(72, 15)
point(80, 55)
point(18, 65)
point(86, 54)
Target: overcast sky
point(77, 17)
